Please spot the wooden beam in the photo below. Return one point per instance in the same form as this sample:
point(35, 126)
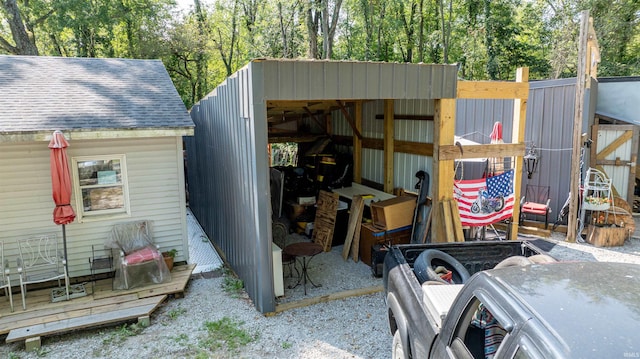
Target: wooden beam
point(443, 170)
point(328, 297)
point(492, 90)
point(408, 117)
point(517, 136)
point(410, 147)
point(581, 80)
point(313, 117)
point(388, 145)
point(626, 136)
point(349, 119)
point(454, 152)
point(357, 144)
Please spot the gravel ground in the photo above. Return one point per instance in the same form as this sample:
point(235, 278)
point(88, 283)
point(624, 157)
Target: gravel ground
point(348, 328)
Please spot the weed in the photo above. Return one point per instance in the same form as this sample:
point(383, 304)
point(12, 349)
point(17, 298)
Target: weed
point(286, 345)
point(120, 334)
point(175, 313)
point(41, 352)
point(13, 355)
point(181, 339)
point(225, 333)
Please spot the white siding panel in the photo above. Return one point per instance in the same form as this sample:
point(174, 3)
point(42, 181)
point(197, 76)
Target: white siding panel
point(155, 178)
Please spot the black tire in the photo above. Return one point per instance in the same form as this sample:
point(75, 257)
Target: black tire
point(542, 259)
point(514, 261)
point(423, 267)
point(501, 206)
point(397, 350)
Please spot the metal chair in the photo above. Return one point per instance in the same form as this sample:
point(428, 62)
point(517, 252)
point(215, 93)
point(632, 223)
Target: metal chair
point(40, 261)
point(536, 202)
point(5, 280)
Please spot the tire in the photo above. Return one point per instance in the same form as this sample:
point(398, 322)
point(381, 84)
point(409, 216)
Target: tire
point(542, 259)
point(501, 205)
point(513, 261)
point(423, 267)
point(397, 350)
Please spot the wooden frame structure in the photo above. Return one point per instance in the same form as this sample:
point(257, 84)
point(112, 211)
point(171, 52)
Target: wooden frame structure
point(443, 150)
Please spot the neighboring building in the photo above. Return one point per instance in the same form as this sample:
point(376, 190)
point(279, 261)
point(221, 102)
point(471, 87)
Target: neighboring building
point(125, 123)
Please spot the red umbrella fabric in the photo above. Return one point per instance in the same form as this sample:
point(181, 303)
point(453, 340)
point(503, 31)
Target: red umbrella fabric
point(61, 180)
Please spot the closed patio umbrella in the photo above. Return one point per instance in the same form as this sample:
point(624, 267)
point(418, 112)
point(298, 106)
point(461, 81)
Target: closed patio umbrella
point(61, 185)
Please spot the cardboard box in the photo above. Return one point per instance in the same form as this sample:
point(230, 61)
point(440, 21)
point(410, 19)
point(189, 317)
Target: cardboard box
point(607, 236)
point(393, 213)
point(370, 236)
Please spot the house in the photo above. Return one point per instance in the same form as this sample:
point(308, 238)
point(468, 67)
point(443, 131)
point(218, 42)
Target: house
point(125, 123)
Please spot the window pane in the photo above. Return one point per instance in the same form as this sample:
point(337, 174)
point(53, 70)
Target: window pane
point(95, 199)
point(99, 172)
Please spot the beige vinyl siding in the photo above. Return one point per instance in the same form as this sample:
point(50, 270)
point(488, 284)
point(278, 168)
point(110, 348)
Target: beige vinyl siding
point(156, 192)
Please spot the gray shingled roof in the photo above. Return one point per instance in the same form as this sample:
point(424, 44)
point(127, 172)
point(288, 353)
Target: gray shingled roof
point(41, 94)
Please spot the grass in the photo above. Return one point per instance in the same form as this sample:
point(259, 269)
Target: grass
point(232, 284)
point(173, 314)
point(120, 334)
point(225, 334)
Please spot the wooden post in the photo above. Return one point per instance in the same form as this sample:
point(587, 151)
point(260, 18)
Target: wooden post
point(443, 171)
point(357, 145)
point(581, 80)
point(388, 145)
point(517, 136)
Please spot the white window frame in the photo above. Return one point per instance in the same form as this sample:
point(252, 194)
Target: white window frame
point(95, 215)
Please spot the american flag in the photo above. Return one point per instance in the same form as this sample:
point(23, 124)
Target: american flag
point(466, 193)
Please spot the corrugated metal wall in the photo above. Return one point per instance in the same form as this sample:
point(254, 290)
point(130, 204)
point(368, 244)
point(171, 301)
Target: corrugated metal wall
point(229, 185)
point(406, 165)
point(549, 126)
point(227, 157)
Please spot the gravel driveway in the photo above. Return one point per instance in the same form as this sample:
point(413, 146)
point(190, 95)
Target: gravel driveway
point(348, 328)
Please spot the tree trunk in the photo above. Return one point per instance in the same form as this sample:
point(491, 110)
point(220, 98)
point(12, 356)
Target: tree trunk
point(24, 41)
point(312, 29)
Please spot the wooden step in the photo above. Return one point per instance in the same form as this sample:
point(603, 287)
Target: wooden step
point(81, 319)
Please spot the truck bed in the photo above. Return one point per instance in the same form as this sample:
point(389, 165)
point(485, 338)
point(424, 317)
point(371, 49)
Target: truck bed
point(475, 256)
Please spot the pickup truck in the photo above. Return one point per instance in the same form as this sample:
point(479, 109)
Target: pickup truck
point(551, 310)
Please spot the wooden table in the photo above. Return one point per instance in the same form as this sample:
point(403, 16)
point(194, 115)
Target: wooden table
point(358, 189)
point(305, 251)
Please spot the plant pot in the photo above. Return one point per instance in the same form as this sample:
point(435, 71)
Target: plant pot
point(169, 262)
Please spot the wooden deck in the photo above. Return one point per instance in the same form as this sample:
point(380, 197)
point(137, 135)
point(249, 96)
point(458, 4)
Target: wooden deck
point(105, 306)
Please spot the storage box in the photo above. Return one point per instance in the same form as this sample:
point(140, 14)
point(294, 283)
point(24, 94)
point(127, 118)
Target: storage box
point(607, 236)
point(370, 236)
point(393, 213)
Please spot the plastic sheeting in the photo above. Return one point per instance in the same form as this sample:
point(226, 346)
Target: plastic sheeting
point(138, 262)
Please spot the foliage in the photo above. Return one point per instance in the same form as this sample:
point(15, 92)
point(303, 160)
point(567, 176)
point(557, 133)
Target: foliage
point(120, 334)
point(170, 253)
point(226, 333)
point(488, 39)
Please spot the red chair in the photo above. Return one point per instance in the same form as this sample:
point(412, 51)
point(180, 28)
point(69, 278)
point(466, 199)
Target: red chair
point(536, 202)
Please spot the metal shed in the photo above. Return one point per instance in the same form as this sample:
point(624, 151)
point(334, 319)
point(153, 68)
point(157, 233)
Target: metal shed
point(228, 164)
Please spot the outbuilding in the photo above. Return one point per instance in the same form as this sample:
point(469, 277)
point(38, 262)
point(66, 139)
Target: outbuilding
point(124, 122)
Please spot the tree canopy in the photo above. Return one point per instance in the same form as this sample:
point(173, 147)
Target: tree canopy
point(488, 39)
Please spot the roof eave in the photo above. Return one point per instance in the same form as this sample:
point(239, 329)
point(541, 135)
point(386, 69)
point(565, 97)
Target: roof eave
point(96, 134)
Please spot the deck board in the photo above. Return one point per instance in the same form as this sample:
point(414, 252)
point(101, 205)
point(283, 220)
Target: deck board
point(95, 309)
point(141, 308)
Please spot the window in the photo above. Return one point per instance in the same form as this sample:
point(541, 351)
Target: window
point(100, 186)
point(479, 331)
point(283, 154)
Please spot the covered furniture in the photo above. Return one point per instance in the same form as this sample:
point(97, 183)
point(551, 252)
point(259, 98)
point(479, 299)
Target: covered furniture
point(40, 261)
point(138, 261)
point(536, 202)
point(5, 280)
